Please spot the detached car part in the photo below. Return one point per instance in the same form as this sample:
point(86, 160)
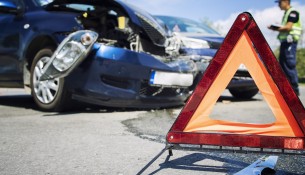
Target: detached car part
point(69, 54)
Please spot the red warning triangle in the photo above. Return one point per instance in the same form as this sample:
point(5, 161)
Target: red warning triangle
point(244, 44)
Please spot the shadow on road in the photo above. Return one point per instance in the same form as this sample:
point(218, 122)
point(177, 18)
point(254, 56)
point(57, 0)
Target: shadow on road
point(26, 101)
point(201, 162)
point(196, 162)
point(18, 101)
point(233, 99)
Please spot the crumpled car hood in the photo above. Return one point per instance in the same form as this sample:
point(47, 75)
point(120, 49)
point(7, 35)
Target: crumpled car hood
point(139, 17)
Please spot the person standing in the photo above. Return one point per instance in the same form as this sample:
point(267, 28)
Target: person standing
point(289, 34)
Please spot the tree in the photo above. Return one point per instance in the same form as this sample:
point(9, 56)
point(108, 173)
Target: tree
point(301, 62)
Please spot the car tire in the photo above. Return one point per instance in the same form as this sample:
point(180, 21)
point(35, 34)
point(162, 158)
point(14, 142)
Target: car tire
point(243, 93)
point(49, 95)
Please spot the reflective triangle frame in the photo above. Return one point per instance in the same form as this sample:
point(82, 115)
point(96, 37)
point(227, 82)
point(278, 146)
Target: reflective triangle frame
point(244, 24)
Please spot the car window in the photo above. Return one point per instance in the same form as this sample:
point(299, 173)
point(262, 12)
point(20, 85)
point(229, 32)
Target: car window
point(80, 7)
point(14, 1)
point(176, 24)
point(74, 6)
point(18, 3)
point(43, 2)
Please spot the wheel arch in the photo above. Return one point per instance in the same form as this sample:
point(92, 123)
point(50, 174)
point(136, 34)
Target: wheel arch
point(33, 48)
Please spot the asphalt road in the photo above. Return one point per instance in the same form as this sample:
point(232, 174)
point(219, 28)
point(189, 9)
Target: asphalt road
point(112, 141)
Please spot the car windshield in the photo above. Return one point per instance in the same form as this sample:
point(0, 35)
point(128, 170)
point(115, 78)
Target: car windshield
point(43, 2)
point(74, 6)
point(176, 24)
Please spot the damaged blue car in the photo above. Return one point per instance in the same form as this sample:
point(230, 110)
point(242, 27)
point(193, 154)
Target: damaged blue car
point(103, 52)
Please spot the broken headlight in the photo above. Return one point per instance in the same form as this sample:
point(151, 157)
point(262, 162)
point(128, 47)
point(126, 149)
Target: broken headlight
point(69, 54)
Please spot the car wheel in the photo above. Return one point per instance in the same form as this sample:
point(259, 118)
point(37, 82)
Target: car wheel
point(49, 95)
point(243, 93)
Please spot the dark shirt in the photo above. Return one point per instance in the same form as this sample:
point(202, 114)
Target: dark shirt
point(293, 17)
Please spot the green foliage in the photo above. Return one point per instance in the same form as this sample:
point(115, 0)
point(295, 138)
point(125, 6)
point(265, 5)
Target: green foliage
point(277, 53)
point(301, 62)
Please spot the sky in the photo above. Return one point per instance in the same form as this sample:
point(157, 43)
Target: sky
point(222, 13)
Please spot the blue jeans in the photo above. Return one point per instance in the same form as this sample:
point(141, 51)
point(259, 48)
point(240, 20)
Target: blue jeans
point(288, 63)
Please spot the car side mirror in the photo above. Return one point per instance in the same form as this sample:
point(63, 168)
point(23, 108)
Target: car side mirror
point(10, 8)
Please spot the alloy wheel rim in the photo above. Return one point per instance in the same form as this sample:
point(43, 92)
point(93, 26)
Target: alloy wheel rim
point(45, 91)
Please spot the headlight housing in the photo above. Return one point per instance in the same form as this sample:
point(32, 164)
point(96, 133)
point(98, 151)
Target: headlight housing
point(194, 43)
point(69, 54)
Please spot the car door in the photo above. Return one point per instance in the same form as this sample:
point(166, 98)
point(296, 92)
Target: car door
point(10, 43)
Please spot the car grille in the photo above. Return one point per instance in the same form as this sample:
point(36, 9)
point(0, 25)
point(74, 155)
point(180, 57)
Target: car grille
point(116, 82)
point(153, 91)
